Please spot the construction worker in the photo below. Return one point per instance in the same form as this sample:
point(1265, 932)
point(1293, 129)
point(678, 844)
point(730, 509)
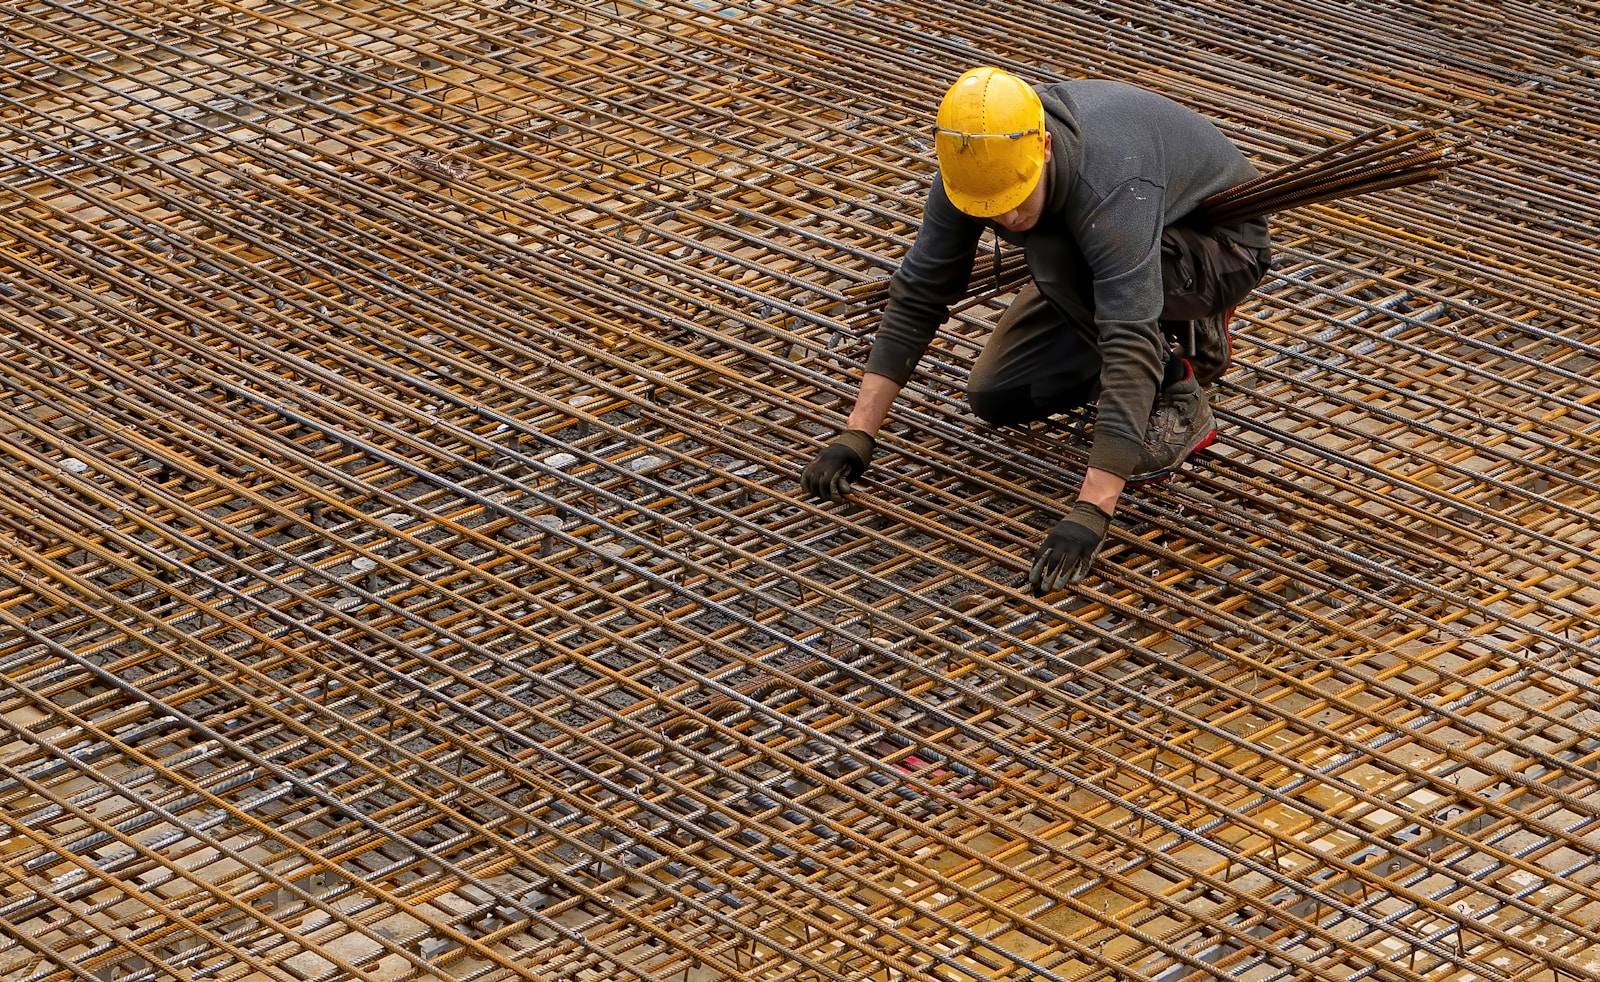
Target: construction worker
point(1128, 304)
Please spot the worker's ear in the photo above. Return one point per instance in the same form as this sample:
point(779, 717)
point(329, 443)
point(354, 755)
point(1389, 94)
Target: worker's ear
point(1047, 146)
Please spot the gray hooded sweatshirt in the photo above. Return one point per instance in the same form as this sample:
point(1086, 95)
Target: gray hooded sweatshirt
point(1126, 163)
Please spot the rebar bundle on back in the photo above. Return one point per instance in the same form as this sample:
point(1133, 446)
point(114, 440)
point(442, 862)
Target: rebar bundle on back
point(1341, 171)
point(1354, 166)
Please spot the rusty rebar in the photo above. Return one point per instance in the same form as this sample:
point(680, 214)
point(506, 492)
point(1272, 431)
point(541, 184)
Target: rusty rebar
point(403, 572)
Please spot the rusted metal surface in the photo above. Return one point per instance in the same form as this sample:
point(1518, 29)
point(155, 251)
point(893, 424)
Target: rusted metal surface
point(403, 572)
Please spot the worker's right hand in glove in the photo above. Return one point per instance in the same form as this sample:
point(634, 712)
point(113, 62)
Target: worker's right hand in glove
point(828, 476)
point(1069, 549)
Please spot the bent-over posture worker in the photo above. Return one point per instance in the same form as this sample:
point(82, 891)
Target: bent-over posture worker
point(1128, 304)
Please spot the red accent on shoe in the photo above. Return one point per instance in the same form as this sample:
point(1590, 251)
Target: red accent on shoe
point(1172, 472)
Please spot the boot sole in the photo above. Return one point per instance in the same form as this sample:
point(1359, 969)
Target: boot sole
point(1170, 472)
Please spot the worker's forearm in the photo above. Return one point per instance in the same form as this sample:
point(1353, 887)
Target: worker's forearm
point(872, 404)
point(1101, 488)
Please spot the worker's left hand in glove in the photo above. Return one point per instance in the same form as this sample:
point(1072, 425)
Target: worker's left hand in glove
point(1069, 549)
point(828, 477)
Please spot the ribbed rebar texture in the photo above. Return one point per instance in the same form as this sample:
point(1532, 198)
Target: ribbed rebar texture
point(403, 572)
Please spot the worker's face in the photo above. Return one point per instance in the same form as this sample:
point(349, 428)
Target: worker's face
point(1026, 215)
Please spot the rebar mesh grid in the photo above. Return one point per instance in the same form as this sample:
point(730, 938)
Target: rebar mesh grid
point(405, 576)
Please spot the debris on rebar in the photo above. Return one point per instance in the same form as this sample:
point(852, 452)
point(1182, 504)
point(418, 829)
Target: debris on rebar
point(433, 164)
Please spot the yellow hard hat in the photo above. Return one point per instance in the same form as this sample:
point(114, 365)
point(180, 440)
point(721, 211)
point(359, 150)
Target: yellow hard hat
point(990, 141)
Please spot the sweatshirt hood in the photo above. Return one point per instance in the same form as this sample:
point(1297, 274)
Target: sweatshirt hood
point(1066, 145)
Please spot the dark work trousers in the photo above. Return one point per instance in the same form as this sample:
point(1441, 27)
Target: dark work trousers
point(1039, 362)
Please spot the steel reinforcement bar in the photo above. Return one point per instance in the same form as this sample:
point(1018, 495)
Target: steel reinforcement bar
point(403, 572)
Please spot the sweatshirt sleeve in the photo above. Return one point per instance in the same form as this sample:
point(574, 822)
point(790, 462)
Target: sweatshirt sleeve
point(1122, 245)
point(933, 276)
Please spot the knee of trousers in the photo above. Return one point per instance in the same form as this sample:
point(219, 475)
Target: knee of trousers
point(1004, 407)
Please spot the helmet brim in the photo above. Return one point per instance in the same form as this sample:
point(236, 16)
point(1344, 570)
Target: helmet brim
point(994, 203)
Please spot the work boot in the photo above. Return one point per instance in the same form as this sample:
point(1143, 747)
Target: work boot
point(1209, 346)
point(1181, 424)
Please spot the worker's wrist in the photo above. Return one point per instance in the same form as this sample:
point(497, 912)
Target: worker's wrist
point(864, 424)
point(1091, 516)
point(872, 403)
point(860, 443)
point(1101, 489)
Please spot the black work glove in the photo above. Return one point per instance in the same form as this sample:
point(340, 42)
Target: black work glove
point(840, 462)
point(1069, 549)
